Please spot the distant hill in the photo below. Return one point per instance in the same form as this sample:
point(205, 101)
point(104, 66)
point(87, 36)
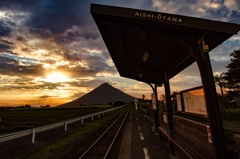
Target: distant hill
point(103, 94)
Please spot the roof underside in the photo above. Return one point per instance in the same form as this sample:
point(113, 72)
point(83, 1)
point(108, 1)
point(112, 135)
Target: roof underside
point(128, 33)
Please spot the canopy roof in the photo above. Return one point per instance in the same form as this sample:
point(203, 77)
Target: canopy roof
point(132, 34)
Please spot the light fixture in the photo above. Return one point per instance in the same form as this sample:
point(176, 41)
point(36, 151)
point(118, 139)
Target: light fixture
point(140, 75)
point(145, 56)
point(205, 48)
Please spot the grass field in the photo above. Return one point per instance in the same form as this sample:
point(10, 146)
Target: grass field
point(15, 119)
point(63, 146)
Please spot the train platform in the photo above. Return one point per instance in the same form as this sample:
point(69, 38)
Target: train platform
point(141, 141)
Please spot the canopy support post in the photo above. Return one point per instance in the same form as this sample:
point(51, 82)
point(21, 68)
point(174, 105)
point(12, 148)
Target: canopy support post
point(169, 108)
point(156, 116)
point(214, 115)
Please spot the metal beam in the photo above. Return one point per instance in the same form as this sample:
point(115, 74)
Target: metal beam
point(166, 55)
point(169, 109)
point(156, 115)
point(214, 116)
point(155, 111)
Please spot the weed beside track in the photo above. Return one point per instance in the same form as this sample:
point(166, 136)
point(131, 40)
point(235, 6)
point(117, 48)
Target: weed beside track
point(67, 146)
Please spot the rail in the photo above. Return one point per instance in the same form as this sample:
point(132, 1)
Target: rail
point(126, 112)
point(23, 133)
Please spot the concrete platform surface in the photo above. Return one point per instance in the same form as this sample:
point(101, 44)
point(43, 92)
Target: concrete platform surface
point(140, 141)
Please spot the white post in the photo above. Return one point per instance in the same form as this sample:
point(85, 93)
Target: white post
point(92, 116)
point(65, 126)
point(82, 120)
point(103, 113)
point(33, 136)
point(136, 104)
point(98, 114)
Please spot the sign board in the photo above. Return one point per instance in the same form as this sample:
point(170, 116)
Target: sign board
point(154, 105)
point(193, 101)
point(136, 104)
point(209, 134)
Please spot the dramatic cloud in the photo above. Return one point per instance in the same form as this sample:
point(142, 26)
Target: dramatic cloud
point(71, 58)
point(39, 37)
point(46, 96)
point(4, 29)
point(227, 10)
point(13, 70)
point(8, 60)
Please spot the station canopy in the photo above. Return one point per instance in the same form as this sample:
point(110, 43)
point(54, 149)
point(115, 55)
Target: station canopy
point(144, 45)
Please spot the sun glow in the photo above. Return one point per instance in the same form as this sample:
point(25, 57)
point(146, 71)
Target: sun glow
point(56, 77)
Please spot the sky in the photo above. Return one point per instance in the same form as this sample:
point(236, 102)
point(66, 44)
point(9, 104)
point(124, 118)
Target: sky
point(51, 51)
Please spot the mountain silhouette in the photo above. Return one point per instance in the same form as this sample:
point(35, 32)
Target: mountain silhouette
point(103, 94)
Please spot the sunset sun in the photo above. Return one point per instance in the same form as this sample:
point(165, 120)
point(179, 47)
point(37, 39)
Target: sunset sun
point(56, 77)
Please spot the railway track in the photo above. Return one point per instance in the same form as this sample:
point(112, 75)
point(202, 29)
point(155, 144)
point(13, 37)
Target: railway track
point(101, 148)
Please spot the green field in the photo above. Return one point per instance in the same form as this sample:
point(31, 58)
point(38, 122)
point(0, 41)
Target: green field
point(15, 119)
point(63, 146)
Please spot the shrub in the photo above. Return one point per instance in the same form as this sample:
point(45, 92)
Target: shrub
point(231, 115)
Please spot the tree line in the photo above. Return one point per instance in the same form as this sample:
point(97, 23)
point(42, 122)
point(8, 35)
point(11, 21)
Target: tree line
point(229, 81)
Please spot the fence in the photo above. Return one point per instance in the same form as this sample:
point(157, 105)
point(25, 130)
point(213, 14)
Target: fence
point(193, 131)
point(19, 134)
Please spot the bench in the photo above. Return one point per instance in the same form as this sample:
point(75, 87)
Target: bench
point(188, 148)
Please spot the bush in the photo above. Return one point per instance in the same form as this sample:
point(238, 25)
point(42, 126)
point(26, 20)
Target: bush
point(191, 117)
point(118, 103)
point(231, 115)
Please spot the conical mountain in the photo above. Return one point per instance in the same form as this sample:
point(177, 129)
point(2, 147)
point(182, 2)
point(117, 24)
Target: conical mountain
point(103, 94)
